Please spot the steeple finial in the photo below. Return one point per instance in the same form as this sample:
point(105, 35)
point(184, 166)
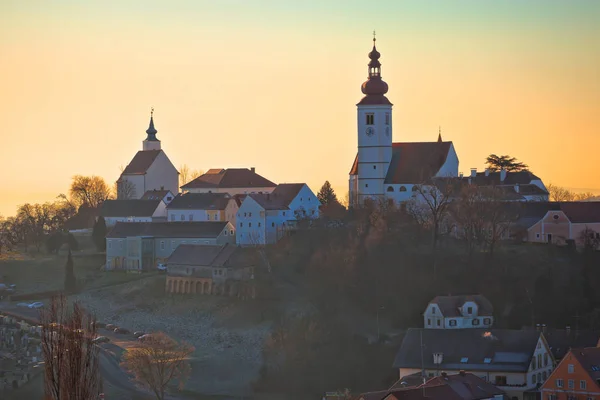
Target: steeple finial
point(374, 38)
point(440, 134)
point(151, 131)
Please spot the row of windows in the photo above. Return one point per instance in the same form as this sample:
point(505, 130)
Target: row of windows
point(370, 118)
point(536, 362)
point(539, 378)
point(191, 217)
point(401, 189)
point(452, 322)
point(259, 224)
point(571, 383)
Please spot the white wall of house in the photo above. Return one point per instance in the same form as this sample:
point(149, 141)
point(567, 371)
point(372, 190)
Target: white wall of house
point(305, 204)
point(231, 211)
point(162, 175)
point(544, 362)
point(232, 191)
point(251, 222)
point(175, 215)
point(450, 167)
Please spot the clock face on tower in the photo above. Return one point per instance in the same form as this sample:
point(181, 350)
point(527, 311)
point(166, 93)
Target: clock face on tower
point(370, 131)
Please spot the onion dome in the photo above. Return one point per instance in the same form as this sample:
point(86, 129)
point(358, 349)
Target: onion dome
point(374, 87)
point(151, 131)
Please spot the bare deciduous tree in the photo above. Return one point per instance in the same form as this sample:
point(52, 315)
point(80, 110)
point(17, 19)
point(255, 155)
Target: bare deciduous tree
point(559, 193)
point(186, 174)
point(125, 190)
point(71, 358)
point(158, 361)
point(89, 190)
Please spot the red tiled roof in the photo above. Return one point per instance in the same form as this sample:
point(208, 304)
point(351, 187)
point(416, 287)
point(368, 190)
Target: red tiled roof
point(588, 358)
point(141, 162)
point(582, 211)
point(199, 201)
point(413, 162)
point(229, 178)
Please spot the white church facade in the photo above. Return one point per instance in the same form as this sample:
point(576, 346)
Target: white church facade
point(382, 169)
point(150, 169)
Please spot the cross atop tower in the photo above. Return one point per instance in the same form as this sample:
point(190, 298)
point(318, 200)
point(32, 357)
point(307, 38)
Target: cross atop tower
point(374, 38)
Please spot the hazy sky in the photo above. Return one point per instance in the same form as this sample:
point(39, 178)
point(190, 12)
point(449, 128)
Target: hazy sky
point(274, 85)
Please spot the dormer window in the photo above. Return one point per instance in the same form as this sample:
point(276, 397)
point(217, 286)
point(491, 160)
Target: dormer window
point(433, 310)
point(469, 310)
point(464, 360)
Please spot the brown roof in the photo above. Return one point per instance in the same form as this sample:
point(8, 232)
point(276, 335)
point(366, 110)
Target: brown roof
point(129, 208)
point(229, 178)
point(413, 162)
point(199, 201)
point(203, 229)
point(512, 178)
point(280, 198)
point(374, 99)
point(589, 358)
point(581, 211)
point(449, 305)
point(227, 255)
point(155, 194)
point(141, 162)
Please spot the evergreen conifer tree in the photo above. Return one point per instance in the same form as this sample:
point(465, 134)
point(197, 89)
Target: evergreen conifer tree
point(99, 234)
point(327, 195)
point(70, 282)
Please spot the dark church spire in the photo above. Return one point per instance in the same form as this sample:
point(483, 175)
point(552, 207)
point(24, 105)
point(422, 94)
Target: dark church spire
point(440, 135)
point(151, 131)
point(374, 88)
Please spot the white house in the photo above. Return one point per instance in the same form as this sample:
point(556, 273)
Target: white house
point(232, 181)
point(383, 169)
point(264, 218)
point(198, 207)
point(165, 195)
point(150, 169)
point(458, 312)
point(115, 211)
point(139, 246)
point(513, 360)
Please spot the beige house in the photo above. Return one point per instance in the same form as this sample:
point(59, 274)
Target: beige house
point(224, 270)
point(458, 312)
point(575, 221)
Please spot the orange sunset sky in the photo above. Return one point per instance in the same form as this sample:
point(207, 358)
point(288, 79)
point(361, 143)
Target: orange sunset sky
point(274, 84)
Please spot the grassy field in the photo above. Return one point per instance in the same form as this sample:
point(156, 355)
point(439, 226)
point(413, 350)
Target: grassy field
point(43, 272)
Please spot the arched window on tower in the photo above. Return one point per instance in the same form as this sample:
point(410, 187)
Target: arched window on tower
point(414, 188)
point(402, 189)
point(390, 189)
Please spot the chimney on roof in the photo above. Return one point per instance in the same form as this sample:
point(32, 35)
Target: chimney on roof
point(253, 170)
point(473, 172)
point(462, 372)
point(517, 188)
point(502, 175)
point(487, 172)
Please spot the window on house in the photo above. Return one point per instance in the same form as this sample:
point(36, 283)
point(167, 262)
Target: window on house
point(109, 244)
point(387, 118)
point(191, 217)
point(390, 189)
point(169, 198)
point(272, 224)
point(182, 217)
point(428, 322)
point(414, 188)
point(225, 233)
point(500, 380)
point(249, 214)
point(452, 322)
point(300, 198)
point(560, 383)
point(241, 224)
point(439, 322)
point(172, 217)
point(284, 213)
point(370, 118)
point(249, 224)
point(571, 384)
point(231, 232)
point(582, 384)
point(475, 321)
point(366, 185)
point(469, 310)
point(433, 310)
point(487, 321)
point(374, 166)
point(245, 214)
point(571, 368)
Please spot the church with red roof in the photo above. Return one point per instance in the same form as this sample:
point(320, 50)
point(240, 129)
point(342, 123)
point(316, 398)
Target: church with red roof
point(384, 169)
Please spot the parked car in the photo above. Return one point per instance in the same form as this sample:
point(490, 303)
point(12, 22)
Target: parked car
point(110, 327)
point(121, 330)
point(137, 334)
point(101, 339)
point(147, 336)
point(161, 267)
point(37, 304)
point(22, 304)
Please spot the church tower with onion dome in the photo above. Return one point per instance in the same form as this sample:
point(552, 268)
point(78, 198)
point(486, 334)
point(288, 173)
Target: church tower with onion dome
point(374, 136)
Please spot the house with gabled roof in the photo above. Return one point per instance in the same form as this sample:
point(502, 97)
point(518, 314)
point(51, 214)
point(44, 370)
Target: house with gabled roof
point(199, 207)
point(513, 360)
point(115, 211)
point(231, 180)
point(265, 218)
point(141, 246)
point(577, 376)
point(222, 269)
point(458, 312)
point(165, 195)
point(150, 169)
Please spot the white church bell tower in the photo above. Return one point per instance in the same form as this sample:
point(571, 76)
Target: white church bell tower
point(374, 133)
